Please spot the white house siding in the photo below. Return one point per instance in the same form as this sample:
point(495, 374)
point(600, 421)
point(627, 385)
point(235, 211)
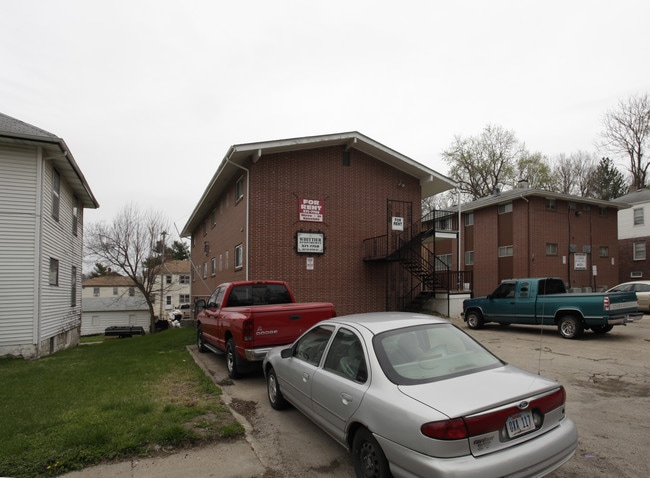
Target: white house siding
point(18, 267)
point(102, 312)
point(59, 320)
point(626, 227)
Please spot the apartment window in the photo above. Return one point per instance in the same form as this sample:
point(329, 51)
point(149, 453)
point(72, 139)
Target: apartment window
point(505, 208)
point(602, 211)
point(204, 226)
point(572, 205)
point(227, 260)
point(239, 256)
point(469, 219)
point(604, 251)
point(636, 274)
point(95, 291)
point(56, 193)
point(239, 189)
point(213, 266)
point(443, 262)
point(184, 299)
point(75, 215)
point(54, 271)
point(639, 251)
point(220, 262)
point(443, 224)
point(184, 279)
point(168, 280)
point(469, 258)
point(551, 204)
point(638, 216)
point(213, 217)
point(168, 300)
point(506, 251)
point(131, 292)
point(551, 249)
point(73, 286)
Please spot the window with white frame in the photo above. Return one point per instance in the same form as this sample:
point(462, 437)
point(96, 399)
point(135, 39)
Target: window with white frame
point(184, 299)
point(469, 219)
point(444, 262)
point(551, 204)
point(239, 256)
point(506, 251)
point(184, 279)
point(639, 251)
point(73, 286)
point(638, 216)
point(505, 208)
point(168, 279)
point(551, 249)
point(75, 215)
point(95, 291)
point(239, 189)
point(213, 266)
point(469, 258)
point(205, 270)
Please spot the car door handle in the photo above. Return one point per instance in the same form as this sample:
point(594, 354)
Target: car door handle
point(305, 377)
point(346, 398)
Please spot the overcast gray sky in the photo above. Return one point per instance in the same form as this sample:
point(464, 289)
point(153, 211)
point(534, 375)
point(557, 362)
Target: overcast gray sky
point(149, 95)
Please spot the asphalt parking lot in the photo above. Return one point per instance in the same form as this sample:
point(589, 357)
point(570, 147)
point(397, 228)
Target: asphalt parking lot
point(608, 396)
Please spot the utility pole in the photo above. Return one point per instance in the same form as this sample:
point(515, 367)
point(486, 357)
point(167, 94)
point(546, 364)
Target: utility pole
point(162, 263)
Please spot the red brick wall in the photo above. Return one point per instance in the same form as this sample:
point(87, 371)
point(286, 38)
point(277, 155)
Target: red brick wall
point(532, 226)
point(355, 208)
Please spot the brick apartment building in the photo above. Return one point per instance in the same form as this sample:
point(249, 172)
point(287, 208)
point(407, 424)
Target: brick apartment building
point(300, 209)
point(634, 236)
point(532, 233)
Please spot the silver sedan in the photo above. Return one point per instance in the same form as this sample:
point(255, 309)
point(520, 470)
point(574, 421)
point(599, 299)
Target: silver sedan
point(412, 395)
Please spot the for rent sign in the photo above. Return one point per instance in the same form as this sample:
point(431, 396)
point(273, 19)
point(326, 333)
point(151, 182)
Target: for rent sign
point(310, 210)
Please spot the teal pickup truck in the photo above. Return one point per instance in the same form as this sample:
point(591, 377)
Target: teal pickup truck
point(545, 301)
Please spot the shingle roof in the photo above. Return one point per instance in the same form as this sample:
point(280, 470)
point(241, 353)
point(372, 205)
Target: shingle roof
point(14, 126)
point(640, 195)
point(109, 280)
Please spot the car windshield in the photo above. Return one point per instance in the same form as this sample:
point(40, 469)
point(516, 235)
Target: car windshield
point(430, 353)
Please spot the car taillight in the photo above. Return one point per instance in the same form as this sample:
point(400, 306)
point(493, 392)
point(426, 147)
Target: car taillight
point(247, 330)
point(606, 303)
point(459, 428)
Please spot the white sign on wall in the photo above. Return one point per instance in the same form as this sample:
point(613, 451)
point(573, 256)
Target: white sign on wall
point(398, 223)
point(310, 242)
point(580, 261)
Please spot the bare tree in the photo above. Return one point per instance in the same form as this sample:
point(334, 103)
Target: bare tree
point(129, 245)
point(573, 174)
point(627, 133)
point(486, 162)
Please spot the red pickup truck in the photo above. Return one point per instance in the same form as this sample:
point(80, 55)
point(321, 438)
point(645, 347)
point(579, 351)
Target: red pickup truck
point(246, 319)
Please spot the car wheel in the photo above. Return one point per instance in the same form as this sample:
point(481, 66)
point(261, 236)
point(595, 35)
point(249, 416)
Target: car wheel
point(200, 344)
point(602, 329)
point(475, 319)
point(276, 399)
point(570, 327)
point(232, 360)
point(368, 457)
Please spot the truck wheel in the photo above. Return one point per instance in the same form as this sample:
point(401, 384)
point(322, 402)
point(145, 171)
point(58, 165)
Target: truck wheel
point(232, 360)
point(367, 455)
point(276, 399)
point(602, 329)
point(570, 327)
point(475, 319)
point(200, 344)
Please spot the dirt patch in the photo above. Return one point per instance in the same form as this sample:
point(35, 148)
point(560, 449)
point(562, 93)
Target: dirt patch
point(246, 408)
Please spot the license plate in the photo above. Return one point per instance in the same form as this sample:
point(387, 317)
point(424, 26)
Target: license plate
point(519, 424)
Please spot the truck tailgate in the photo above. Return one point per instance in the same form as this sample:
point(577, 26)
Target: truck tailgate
point(282, 323)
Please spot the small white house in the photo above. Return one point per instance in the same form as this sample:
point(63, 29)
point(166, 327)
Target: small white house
point(43, 194)
point(112, 300)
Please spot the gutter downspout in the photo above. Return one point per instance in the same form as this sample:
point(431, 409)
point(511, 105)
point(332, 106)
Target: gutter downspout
point(248, 204)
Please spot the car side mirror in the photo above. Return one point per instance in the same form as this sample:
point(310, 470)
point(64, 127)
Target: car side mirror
point(286, 353)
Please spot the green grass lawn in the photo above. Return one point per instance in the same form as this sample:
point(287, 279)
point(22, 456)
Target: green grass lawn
point(116, 398)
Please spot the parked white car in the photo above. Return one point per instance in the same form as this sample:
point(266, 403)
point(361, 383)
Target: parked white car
point(413, 395)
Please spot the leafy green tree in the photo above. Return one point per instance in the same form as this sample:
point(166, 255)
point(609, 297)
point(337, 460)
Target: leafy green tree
point(180, 251)
point(99, 270)
point(536, 169)
point(626, 132)
point(607, 182)
point(481, 164)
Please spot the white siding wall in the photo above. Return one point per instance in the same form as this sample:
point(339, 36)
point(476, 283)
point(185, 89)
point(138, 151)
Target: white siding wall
point(94, 323)
point(57, 315)
point(626, 227)
point(18, 266)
